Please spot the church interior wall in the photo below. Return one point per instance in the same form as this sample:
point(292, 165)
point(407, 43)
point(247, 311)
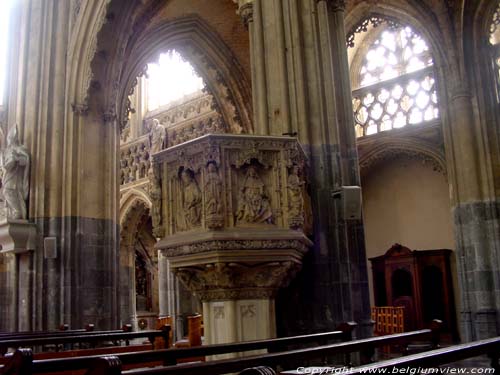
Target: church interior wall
point(408, 203)
point(69, 94)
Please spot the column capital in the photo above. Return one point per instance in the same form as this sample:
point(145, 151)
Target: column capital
point(245, 10)
point(334, 5)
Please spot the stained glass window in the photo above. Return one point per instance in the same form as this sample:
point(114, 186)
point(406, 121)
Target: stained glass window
point(396, 83)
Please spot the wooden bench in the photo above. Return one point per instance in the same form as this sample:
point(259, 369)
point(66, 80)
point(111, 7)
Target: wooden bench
point(91, 338)
point(63, 330)
point(22, 360)
point(88, 330)
point(113, 365)
point(438, 357)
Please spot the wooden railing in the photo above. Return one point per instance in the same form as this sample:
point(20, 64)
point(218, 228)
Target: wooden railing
point(433, 358)
point(113, 364)
point(23, 359)
point(91, 338)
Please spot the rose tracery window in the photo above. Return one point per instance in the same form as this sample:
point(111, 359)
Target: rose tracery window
point(494, 39)
point(396, 83)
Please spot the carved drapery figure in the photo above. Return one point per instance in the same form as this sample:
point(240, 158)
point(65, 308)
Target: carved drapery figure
point(191, 201)
point(155, 195)
point(157, 136)
point(213, 197)
point(253, 202)
point(295, 198)
point(15, 182)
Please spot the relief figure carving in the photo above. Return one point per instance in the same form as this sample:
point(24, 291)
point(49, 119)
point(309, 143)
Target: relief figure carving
point(155, 195)
point(213, 197)
point(295, 198)
point(253, 202)
point(190, 201)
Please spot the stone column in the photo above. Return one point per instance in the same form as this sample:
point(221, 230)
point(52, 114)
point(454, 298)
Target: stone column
point(74, 148)
point(246, 9)
point(303, 58)
point(476, 217)
point(351, 230)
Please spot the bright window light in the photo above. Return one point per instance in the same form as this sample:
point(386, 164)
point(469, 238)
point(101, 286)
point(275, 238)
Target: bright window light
point(170, 79)
point(5, 7)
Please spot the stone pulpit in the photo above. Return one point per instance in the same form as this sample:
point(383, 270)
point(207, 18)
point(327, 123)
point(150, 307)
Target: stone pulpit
point(232, 217)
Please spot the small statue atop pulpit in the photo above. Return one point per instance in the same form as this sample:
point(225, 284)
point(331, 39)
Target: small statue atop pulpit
point(157, 136)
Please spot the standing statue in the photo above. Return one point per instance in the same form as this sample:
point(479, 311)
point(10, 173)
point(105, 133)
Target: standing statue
point(157, 137)
point(295, 199)
point(253, 204)
point(15, 181)
point(213, 197)
point(155, 194)
point(191, 200)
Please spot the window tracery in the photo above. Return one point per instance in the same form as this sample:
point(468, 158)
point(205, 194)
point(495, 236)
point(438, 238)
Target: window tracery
point(396, 83)
point(494, 40)
point(495, 26)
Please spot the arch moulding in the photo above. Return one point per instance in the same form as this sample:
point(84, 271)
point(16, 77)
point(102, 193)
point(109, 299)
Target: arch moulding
point(395, 147)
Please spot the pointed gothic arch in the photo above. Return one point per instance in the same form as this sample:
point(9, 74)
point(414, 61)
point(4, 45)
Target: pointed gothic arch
point(134, 214)
point(397, 147)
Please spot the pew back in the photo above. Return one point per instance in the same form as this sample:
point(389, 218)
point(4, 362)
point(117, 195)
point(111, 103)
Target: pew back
point(170, 356)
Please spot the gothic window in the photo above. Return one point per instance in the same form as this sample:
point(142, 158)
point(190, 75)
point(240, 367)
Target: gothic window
point(395, 82)
point(5, 6)
point(494, 39)
point(169, 79)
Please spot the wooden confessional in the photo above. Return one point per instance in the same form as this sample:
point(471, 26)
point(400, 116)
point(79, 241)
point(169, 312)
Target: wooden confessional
point(419, 281)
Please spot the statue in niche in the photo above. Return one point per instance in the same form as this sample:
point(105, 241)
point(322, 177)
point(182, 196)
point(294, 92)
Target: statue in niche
point(15, 181)
point(143, 161)
point(157, 136)
point(253, 202)
point(190, 200)
point(295, 199)
point(213, 196)
point(155, 195)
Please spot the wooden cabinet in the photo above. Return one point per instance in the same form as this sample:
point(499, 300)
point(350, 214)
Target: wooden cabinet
point(419, 281)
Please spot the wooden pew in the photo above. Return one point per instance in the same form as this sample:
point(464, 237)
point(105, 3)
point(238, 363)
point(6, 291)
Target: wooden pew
point(63, 330)
point(272, 359)
point(171, 356)
point(91, 338)
point(88, 330)
point(430, 359)
point(437, 357)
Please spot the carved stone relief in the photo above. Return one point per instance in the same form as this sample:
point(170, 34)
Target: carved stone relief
point(295, 189)
point(134, 161)
point(189, 215)
point(220, 281)
point(156, 203)
point(249, 175)
point(250, 209)
point(253, 201)
point(213, 190)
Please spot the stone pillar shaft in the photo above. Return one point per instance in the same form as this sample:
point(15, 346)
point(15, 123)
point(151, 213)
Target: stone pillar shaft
point(476, 219)
point(73, 186)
